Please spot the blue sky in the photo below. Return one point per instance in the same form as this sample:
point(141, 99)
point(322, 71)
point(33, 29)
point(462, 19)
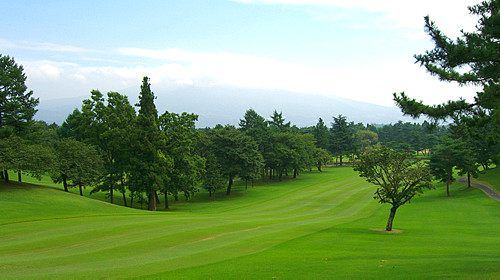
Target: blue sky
point(362, 50)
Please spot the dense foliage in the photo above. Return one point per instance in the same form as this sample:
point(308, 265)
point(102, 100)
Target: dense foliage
point(398, 176)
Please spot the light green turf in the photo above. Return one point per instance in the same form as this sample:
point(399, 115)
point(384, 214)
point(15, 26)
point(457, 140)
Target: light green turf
point(315, 227)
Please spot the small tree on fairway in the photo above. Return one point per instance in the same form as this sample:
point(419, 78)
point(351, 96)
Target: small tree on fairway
point(398, 176)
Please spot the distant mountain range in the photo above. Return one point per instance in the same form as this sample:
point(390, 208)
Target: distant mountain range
point(226, 105)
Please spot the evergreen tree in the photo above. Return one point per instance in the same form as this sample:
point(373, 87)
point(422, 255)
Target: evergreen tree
point(445, 157)
point(472, 59)
point(17, 106)
point(278, 123)
point(321, 135)
point(342, 143)
point(148, 162)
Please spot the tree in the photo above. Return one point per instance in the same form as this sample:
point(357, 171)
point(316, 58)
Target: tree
point(278, 123)
point(236, 153)
point(256, 127)
point(17, 106)
point(71, 126)
point(451, 153)
point(321, 135)
point(473, 59)
point(76, 162)
point(214, 179)
point(106, 125)
point(148, 163)
point(366, 138)
point(23, 157)
point(321, 157)
point(342, 143)
point(188, 166)
point(399, 177)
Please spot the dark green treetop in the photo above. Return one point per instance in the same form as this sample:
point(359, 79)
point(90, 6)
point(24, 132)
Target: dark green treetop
point(17, 106)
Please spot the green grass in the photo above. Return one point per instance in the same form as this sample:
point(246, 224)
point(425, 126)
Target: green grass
point(315, 227)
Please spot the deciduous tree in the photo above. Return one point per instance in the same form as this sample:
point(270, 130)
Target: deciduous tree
point(399, 176)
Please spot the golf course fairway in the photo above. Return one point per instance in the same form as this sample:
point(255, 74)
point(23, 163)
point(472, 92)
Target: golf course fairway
point(318, 226)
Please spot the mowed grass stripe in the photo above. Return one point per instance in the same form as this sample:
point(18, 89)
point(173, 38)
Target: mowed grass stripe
point(124, 241)
point(69, 238)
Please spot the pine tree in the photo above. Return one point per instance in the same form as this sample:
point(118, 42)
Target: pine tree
point(473, 59)
point(148, 162)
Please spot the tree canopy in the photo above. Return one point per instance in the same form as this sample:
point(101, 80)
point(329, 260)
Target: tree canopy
point(399, 176)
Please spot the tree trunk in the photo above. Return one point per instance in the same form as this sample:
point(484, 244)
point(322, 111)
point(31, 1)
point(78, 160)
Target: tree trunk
point(111, 187)
point(340, 160)
point(448, 185)
point(468, 179)
point(6, 175)
point(152, 201)
point(65, 184)
point(246, 184)
point(295, 173)
point(81, 192)
point(2, 177)
point(391, 218)
point(166, 200)
point(132, 201)
point(124, 199)
point(19, 177)
point(157, 198)
point(209, 193)
point(228, 192)
point(123, 190)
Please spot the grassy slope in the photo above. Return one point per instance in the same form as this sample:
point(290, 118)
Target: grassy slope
point(490, 179)
point(313, 227)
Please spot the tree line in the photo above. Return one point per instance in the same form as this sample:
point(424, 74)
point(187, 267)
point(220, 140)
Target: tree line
point(115, 147)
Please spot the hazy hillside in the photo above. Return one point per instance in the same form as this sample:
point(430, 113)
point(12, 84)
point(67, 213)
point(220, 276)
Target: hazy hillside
point(226, 105)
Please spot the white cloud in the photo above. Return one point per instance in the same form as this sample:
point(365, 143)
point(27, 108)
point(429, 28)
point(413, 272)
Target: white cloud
point(450, 15)
point(373, 84)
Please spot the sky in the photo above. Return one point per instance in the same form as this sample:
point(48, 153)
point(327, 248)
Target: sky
point(362, 50)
